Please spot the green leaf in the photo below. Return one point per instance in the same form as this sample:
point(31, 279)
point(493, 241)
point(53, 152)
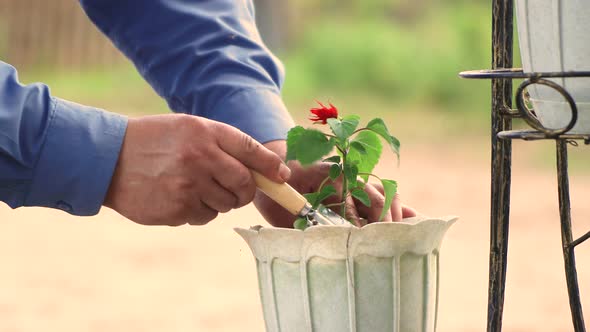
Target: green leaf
point(300, 223)
point(378, 126)
point(366, 162)
point(395, 145)
point(293, 137)
point(335, 171)
point(358, 147)
point(345, 127)
point(352, 185)
point(351, 172)
point(333, 159)
point(316, 198)
point(312, 198)
point(389, 188)
point(326, 192)
point(311, 145)
point(362, 196)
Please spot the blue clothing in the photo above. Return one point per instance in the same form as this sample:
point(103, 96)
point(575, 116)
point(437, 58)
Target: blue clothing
point(204, 57)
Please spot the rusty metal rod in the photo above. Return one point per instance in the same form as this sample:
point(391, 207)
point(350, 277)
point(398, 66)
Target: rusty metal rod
point(567, 239)
point(580, 240)
point(501, 162)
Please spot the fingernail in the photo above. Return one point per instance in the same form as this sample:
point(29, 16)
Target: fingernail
point(284, 172)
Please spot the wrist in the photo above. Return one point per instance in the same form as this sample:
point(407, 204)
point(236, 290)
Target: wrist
point(74, 174)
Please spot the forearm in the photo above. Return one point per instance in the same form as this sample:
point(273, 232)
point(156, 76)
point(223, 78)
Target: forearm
point(54, 153)
point(205, 58)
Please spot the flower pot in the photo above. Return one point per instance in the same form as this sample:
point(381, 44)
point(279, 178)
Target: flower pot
point(382, 277)
point(554, 37)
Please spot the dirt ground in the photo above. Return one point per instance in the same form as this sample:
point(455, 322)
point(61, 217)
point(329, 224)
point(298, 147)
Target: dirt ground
point(67, 274)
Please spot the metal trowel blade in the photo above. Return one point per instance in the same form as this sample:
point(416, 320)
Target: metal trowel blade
point(324, 216)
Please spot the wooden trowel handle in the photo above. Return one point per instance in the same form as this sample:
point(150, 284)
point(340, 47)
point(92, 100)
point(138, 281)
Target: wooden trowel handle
point(282, 193)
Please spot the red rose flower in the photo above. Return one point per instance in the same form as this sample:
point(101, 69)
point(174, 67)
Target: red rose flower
point(323, 113)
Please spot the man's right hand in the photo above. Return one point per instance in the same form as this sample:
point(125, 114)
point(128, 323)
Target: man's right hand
point(175, 169)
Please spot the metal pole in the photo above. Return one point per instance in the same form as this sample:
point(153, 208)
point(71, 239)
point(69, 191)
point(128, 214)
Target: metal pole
point(501, 161)
point(566, 237)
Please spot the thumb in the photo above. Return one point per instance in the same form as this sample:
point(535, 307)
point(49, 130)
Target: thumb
point(251, 153)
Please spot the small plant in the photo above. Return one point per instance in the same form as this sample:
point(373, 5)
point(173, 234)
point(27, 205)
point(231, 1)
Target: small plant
point(358, 152)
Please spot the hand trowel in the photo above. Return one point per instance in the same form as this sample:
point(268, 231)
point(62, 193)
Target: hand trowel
point(287, 197)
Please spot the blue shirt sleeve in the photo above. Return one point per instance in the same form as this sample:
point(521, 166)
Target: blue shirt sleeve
point(204, 57)
point(54, 153)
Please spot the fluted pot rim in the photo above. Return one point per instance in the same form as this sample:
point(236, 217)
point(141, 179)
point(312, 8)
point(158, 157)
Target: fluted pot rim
point(418, 235)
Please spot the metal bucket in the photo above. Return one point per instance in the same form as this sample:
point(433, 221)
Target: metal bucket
point(554, 37)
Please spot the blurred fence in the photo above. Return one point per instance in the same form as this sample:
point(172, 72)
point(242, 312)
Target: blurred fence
point(57, 33)
point(53, 33)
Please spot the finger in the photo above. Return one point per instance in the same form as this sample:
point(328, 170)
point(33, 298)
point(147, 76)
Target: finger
point(219, 198)
point(373, 212)
point(408, 212)
point(251, 153)
point(399, 211)
point(235, 178)
point(351, 212)
point(168, 222)
point(272, 212)
point(396, 208)
point(315, 174)
point(202, 215)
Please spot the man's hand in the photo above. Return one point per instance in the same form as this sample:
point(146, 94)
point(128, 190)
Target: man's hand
point(176, 169)
point(308, 179)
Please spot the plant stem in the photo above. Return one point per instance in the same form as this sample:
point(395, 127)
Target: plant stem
point(334, 204)
point(369, 174)
point(359, 130)
point(344, 185)
point(323, 183)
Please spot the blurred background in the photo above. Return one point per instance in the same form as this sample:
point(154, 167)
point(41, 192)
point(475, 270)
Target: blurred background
point(352, 52)
point(397, 59)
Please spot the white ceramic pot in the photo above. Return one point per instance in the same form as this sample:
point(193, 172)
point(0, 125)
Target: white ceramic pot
point(554, 36)
point(382, 277)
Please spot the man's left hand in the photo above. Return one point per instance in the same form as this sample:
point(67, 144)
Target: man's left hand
point(308, 179)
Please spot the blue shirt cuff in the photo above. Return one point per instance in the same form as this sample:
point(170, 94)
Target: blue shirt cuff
point(78, 158)
point(259, 113)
